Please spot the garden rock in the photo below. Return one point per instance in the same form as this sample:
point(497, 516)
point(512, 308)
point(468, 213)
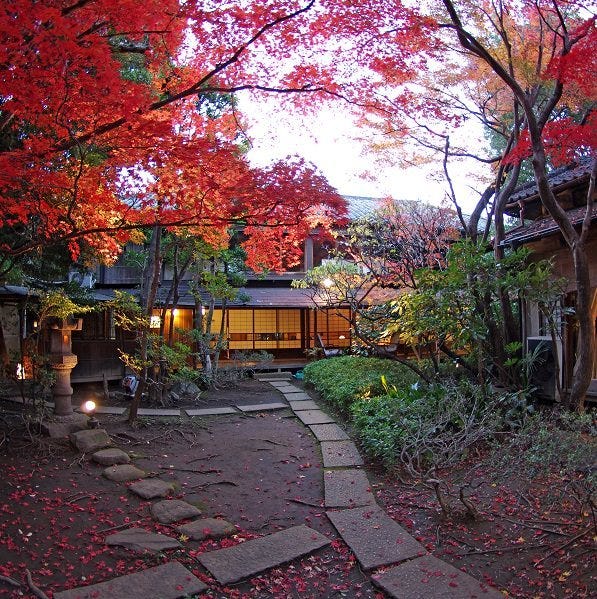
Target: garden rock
point(138, 539)
point(123, 473)
point(90, 440)
point(173, 510)
point(151, 488)
point(111, 457)
point(207, 528)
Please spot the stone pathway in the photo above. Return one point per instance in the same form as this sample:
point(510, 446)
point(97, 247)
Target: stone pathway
point(169, 581)
point(408, 571)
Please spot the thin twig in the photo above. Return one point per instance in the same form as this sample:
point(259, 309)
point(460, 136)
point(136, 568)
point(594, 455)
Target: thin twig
point(572, 540)
point(553, 532)
point(207, 457)
point(304, 502)
point(34, 589)
point(100, 532)
point(502, 549)
point(75, 499)
point(11, 581)
point(203, 486)
point(208, 471)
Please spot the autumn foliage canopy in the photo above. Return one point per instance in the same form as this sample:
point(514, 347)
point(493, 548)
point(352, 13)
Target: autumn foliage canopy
point(116, 115)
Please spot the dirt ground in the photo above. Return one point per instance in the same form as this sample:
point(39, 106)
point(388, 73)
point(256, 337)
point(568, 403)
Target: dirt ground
point(533, 538)
point(262, 472)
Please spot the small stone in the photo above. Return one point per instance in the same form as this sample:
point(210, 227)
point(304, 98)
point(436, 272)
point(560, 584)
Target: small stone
point(111, 457)
point(91, 440)
point(138, 539)
point(207, 528)
point(123, 473)
point(150, 488)
point(173, 510)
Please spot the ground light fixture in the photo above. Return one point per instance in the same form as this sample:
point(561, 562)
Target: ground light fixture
point(89, 408)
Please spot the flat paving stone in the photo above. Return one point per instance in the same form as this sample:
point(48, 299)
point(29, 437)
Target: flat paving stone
point(298, 396)
point(314, 417)
point(110, 410)
point(123, 473)
point(138, 539)
point(374, 538)
point(151, 488)
point(168, 581)
point(339, 453)
point(288, 389)
point(347, 488)
point(329, 432)
point(91, 440)
point(260, 407)
point(235, 563)
point(430, 578)
point(210, 411)
point(207, 528)
point(157, 412)
point(111, 457)
point(173, 510)
point(298, 406)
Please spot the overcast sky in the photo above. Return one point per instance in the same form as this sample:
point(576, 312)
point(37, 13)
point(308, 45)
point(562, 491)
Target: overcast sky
point(328, 141)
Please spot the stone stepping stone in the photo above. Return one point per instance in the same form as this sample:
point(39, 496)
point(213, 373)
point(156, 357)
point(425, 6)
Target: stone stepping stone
point(168, 581)
point(374, 537)
point(347, 488)
point(211, 411)
point(138, 539)
point(91, 440)
point(157, 412)
point(151, 488)
point(111, 457)
point(207, 528)
point(173, 510)
point(275, 376)
point(298, 396)
point(314, 417)
point(263, 406)
point(328, 432)
point(288, 389)
point(298, 406)
point(110, 410)
point(430, 578)
point(124, 473)
point(339, 453)
point(246, 559)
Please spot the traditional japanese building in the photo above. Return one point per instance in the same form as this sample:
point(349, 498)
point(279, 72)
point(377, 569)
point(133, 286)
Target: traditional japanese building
point(537, 230)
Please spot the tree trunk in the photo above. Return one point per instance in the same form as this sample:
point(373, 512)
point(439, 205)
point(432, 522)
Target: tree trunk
point(151, 279)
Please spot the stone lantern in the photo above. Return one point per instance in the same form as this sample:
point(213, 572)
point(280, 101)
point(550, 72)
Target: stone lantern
point(62, 361)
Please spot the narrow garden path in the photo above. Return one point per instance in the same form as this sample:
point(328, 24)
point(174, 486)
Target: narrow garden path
point(174, 496)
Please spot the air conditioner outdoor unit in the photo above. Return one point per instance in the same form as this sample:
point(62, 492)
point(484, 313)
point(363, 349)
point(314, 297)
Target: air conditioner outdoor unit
point(543, 370)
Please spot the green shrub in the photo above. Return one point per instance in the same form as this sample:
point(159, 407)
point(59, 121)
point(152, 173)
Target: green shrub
point(423, 428)
point(346, 379)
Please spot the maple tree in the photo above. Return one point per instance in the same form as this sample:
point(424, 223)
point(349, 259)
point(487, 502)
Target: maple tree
point(525, 72)
point(115, 116)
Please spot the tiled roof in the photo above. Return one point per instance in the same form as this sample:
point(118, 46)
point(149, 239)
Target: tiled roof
point(361, 206)
point(545, 226)
point(558, 177)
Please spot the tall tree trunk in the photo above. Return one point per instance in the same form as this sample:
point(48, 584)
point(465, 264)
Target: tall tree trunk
point(151, 279)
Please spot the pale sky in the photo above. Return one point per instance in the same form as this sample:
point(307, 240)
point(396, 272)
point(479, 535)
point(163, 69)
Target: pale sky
point(326, 140)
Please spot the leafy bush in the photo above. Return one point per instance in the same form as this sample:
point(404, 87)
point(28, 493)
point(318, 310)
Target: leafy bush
point(567, 443)
point(423, 428)
point(346, 379)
